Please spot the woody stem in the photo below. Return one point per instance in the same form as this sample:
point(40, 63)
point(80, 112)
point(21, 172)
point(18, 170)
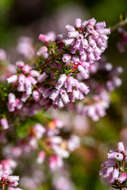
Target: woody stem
point(3, 186)
point(120, 24)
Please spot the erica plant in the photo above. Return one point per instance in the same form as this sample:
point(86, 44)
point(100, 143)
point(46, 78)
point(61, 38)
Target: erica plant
point(66, 72)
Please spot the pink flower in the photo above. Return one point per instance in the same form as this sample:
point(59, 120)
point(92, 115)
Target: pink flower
point(3, 55)
point(25, 47)
point(121, 147)
point(20, 64)
point(61, 81)
point(36, 95)
point(115, 155)
point(73, 142)
point(42, 77)
point(11, 102)
point(43, 51)
point(12, 79)
point(41, 157)
point(39, 130)
point(4, 123)
point(122, 178)
point(55, 162)
point(48, 37)
point(66, 58)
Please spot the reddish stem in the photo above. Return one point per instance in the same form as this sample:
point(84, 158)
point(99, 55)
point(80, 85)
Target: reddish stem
point(3, 186)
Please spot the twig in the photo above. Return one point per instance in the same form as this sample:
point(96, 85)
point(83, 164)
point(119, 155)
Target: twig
point(3, 186)
point(120, 24)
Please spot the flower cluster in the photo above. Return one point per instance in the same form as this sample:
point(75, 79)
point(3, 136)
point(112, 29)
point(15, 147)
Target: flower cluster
point(68, 90)
point(88, 39)
point(34, 180)
point(62, 180)
point(95, 105)
point(66, 71)
point(59, 66)
point(53, 142)
point(7, 180)
point(114, 168)
point(24, 81)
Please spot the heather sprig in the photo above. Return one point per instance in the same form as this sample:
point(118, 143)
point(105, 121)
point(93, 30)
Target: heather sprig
point(51, 142)
point(66, 71)
point(7, 180)
point(114, 168)
point(54, 81)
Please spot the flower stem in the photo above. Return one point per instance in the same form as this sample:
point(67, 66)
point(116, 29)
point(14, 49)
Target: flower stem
point(3, 186)
point(120, 24)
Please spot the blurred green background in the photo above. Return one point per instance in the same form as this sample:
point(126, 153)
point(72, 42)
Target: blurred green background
point(32, 17)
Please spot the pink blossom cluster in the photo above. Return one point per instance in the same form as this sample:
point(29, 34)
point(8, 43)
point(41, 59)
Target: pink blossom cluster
point(50, 143)
point(68, 90)
point(59, 66)
point(36, 87)
point(62, 180)
point(25, 79)
point(96, 105)
point(57, 146)
point(7, 180)
point(88, 39)
point(66, 71)
point(112, 75)
point(114, 168)
point(34, 179)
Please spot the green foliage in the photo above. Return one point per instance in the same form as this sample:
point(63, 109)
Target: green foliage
point(104, 132)
point(5, 5)
point(23, 128)
point(4, 91)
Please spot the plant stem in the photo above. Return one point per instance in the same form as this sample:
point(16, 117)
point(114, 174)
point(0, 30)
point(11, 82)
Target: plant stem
point(3, 186)
point(120, 24)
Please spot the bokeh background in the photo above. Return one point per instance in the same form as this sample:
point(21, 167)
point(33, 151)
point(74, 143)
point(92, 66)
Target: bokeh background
point(32, 17)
